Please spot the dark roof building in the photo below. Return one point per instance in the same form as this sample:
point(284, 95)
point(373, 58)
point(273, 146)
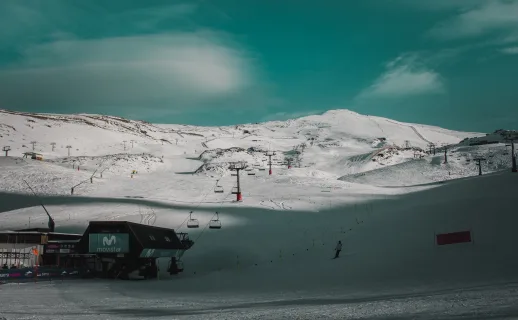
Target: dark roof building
point(132, 240)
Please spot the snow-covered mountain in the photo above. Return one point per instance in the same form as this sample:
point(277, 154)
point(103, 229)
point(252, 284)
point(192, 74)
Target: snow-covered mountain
point(340, 151)
point(367, 181)
point(320, 149)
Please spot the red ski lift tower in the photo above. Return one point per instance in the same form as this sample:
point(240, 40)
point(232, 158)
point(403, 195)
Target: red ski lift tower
point(513, 156)
point(269, 154)
point(237, 166)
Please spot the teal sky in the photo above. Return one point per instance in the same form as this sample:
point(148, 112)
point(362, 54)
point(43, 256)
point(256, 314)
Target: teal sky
point(452, 63)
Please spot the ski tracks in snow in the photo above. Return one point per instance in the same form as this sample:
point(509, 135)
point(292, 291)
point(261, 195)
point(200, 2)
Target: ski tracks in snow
point(148, 218)
point(275, 205)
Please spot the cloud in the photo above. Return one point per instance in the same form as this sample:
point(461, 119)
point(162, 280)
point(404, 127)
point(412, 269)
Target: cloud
point(149, 61)
point(488, 17)
point(511, 50)
point(170, 69)
point(405, 76)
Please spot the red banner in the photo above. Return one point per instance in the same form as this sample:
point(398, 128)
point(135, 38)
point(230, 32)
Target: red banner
point(454, 237)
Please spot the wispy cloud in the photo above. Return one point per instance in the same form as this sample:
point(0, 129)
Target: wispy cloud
point(173, 68)
point(135, 68)
point(511, 50)
point(488, 17)
point(405, 76)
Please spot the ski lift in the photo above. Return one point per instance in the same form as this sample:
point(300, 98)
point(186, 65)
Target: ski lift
point(262, 169)
point(251, 173)
point(234, 190)
point(215, 223)
point(218, 189)
point(192, 223)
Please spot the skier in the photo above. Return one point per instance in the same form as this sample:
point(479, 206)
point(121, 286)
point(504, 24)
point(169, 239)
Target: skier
point(338, 248)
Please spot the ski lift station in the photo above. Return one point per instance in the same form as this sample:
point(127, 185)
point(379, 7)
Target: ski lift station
point(107, 249)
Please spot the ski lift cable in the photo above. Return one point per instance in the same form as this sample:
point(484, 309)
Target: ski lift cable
point(212, 217)
point(199, 203)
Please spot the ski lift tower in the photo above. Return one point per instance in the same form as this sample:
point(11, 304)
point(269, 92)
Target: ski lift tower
point(431, 146)
point(6, 149)
point(513, 156)
point(237, 166)
point(445, 152)
point(269, 154)
point(478, 160)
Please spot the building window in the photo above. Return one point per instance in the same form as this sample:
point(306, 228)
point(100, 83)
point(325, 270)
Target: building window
point(152, 238)
point(167, 239)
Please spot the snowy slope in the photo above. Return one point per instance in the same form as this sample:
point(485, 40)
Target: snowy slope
point(275, 265)
point(281, 237)
point(433, 169)
point(184, 160)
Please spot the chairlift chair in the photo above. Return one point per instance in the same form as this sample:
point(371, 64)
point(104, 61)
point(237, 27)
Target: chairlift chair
point(234, 190)
point(215, 223)
point(192, 223)
point(251, 173)
point(218, 189)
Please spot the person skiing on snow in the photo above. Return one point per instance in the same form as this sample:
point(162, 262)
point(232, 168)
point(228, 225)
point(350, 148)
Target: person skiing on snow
point(338, 248)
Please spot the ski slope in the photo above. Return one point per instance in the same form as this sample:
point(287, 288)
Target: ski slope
point(276, 264)
point(272, 258)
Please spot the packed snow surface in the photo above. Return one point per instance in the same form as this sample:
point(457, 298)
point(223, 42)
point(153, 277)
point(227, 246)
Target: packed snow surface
point(364, 180)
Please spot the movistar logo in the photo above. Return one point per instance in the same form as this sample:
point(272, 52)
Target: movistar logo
point(109, 241)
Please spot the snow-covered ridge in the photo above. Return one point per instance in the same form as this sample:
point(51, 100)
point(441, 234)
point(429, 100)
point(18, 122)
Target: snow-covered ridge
point(318, 148)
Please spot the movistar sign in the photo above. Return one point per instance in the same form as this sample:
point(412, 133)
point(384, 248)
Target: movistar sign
point(109, 242)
